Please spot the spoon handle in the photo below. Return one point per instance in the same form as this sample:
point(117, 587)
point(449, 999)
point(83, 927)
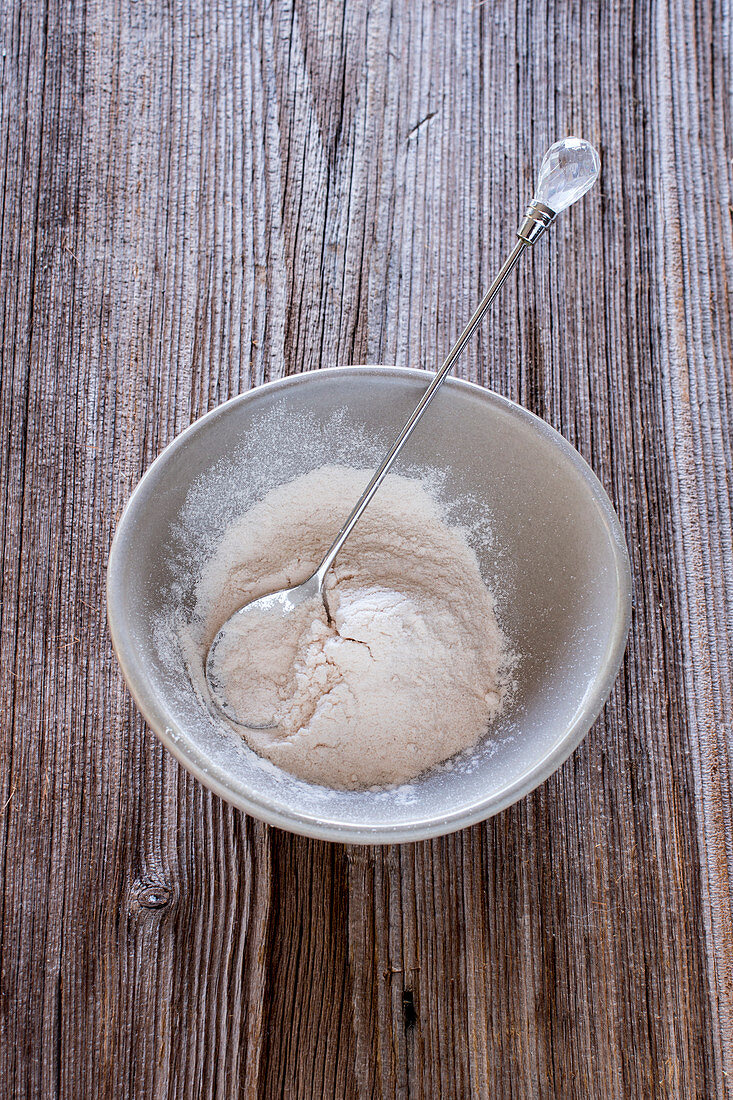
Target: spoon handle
point(569, 169)
point(410, 425)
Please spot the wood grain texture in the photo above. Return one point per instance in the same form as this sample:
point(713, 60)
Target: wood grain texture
point(195, 198)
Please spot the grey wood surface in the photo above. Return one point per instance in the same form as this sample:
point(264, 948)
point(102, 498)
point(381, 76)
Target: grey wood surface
point(196, 197)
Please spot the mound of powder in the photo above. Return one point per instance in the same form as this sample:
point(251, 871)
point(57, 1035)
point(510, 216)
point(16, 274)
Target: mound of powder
point(412, 666)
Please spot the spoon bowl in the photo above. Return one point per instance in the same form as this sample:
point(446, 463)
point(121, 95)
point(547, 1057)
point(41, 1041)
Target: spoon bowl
point(258, 710)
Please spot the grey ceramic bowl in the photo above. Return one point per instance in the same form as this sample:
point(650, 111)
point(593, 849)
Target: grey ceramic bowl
point(547, 538)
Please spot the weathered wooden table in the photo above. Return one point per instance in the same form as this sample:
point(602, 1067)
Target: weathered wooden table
point(197, 197)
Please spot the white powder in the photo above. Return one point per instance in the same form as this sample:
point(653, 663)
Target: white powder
point(413, 666)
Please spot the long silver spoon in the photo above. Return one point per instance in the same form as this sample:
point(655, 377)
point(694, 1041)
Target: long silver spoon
point(569, 168)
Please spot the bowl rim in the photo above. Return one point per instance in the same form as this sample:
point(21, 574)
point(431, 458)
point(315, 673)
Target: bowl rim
point(177, 741)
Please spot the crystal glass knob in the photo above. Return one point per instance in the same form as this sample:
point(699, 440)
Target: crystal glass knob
point(570, 168)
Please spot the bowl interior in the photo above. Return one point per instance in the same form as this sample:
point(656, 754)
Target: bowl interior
point(547, 539)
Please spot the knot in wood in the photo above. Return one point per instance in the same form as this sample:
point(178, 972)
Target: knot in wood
point(152, 894)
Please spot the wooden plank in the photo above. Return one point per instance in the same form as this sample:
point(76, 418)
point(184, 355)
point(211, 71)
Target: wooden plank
point(201, 197)
point(694, 269)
